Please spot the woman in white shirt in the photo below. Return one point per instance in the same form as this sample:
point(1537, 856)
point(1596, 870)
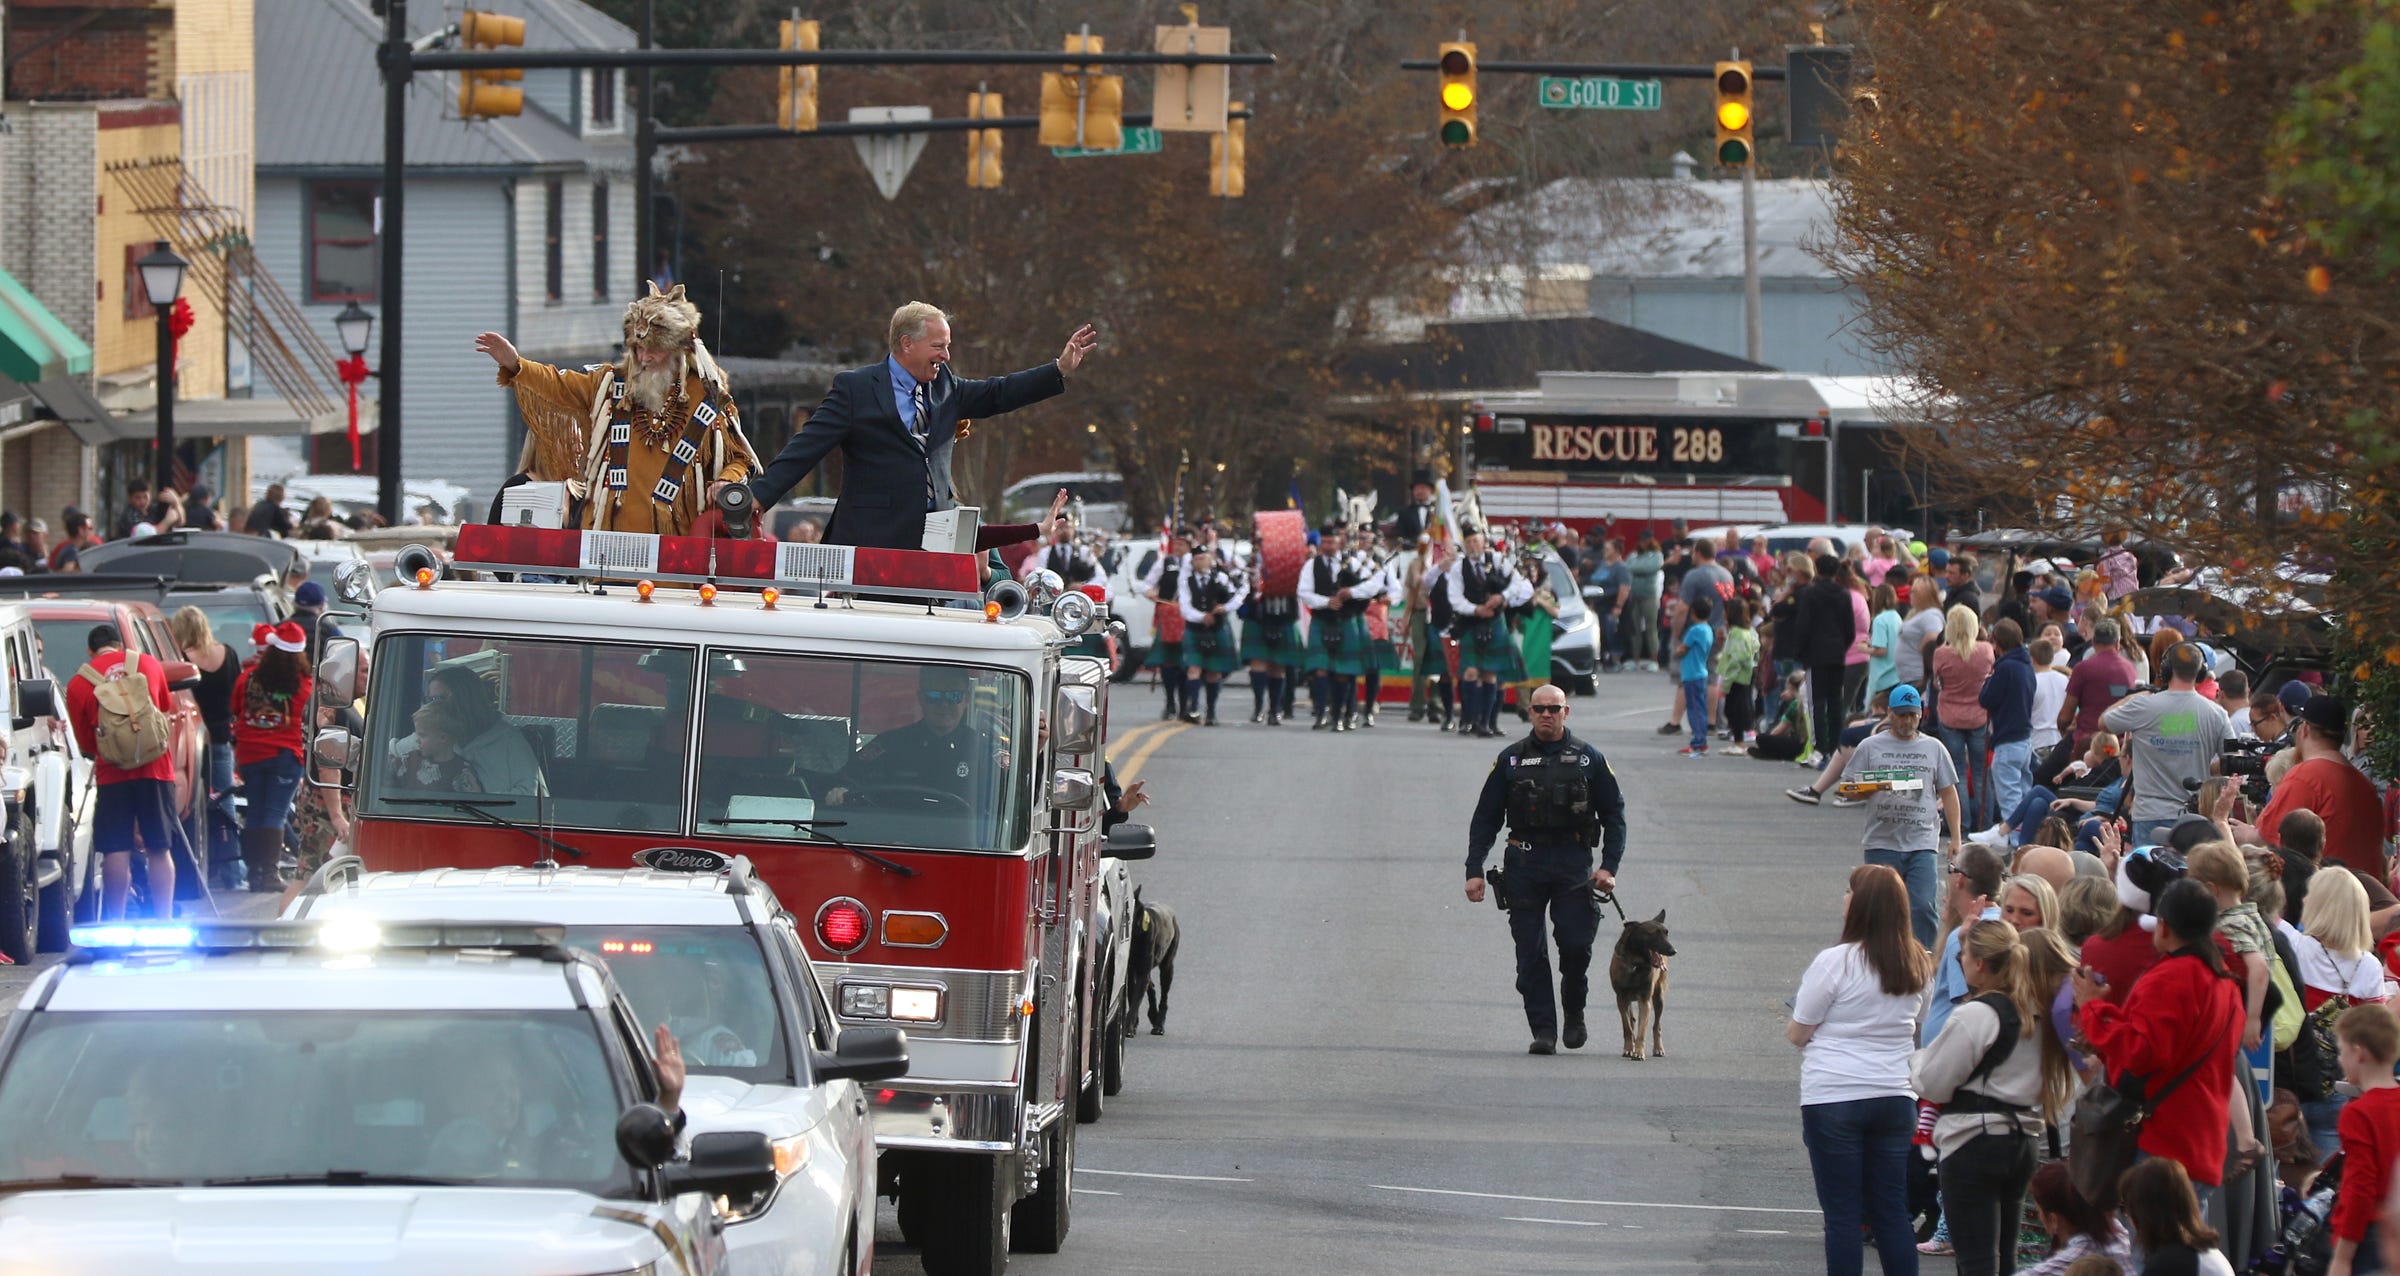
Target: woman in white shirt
point(1855, 1023)
point(1994, 1094)
point(2335, 949)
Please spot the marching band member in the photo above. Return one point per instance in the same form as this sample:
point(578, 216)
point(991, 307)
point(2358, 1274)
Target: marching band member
point(1335, 587)
point(1209, 598)
point(1163, 586)
point(1480, 584)
point(1271, 646)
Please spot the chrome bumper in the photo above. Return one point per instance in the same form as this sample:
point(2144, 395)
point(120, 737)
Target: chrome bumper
point(941, 1119)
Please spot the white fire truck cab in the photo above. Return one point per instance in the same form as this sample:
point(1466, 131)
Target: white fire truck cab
point(919, 782)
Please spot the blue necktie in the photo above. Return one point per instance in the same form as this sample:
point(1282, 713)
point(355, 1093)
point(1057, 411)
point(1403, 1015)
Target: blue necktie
point(925, 437)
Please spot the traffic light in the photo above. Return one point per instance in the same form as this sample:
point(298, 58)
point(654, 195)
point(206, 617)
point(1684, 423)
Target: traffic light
point(485, 94)
point(1458, 94)
point(796, 86)
point(1080, 107)
point(983, 144)
point(1225, 157)
point(1734, 141)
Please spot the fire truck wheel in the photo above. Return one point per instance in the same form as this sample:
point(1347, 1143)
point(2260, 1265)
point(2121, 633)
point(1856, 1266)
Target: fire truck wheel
point(967, 1233)
point(1112, 1055)
point(1042, 1217)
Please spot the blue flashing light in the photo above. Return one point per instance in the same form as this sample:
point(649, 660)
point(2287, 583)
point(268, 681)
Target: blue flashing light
point(130, 935)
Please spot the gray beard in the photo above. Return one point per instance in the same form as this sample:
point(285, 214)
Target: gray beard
point(648, 387)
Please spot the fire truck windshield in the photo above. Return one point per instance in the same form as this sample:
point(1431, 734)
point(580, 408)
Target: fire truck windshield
point(791, 747)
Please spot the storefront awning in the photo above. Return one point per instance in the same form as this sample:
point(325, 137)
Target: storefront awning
point(45, 356)
point(211, 418)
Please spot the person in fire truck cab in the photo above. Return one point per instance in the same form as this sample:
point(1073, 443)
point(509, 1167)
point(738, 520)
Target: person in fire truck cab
point(938, 753)
point(643, 444)
point(496, 756)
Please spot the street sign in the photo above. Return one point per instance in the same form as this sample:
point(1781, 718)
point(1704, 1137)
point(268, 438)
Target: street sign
point(889, 157)
point(1138, 141)
point(1599, 93)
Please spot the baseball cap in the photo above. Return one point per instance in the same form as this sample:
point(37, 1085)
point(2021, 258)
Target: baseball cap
point(2327, 713)
point(1904, 699)
point(1937, 558)
point(2059, 597)
point(2295, 695)
point(310, 594)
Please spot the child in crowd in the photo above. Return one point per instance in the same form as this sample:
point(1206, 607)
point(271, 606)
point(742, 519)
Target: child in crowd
point(1787, 739)
point(1698, 641)
point(2370, 1132)
point(1737, 664)
point(2219, 867)
point(436, 763)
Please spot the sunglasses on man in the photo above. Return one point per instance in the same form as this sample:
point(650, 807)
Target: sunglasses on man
point(942, 697)
point(1546, 708)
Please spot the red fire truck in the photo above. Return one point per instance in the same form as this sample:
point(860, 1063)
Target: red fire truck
point(912, 767)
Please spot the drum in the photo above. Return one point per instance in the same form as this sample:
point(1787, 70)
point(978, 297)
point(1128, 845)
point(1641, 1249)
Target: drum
point(1281, 539)
point(1167, 622)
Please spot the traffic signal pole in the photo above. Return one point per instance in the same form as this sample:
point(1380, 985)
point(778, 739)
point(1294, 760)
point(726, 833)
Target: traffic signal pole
point(645, 152)
point(394, 58)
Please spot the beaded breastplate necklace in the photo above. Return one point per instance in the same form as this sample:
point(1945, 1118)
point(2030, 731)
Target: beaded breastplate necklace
point(656, 428)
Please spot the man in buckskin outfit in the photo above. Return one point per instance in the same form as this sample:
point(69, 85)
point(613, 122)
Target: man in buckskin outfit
point(643, 444)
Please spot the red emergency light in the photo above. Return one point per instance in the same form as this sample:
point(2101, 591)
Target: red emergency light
point(842, 925)
point(695, 560)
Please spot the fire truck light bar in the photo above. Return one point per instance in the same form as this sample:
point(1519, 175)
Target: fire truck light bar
point(698, 559)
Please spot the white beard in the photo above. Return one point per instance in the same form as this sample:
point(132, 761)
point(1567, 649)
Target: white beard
point(648, 387)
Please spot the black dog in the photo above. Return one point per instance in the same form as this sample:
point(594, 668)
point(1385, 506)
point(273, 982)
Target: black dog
point(1638, 972)
point(1155, 939)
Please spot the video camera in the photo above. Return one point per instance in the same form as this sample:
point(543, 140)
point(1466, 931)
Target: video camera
point(2246, 757)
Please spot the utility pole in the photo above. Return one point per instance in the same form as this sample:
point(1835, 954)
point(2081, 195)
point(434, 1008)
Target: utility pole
point(1753, 334)
point(645, 154)
point(394, 58)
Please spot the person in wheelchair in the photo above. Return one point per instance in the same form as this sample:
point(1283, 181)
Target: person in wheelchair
point(936, 754)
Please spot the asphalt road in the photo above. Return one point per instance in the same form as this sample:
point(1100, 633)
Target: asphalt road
point(233, 904)
point(1344, 1085)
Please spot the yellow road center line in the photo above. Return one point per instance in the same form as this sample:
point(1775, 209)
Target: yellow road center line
point(1133, 762)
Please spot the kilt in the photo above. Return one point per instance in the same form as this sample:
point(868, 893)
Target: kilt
point(1163, 654)
point(1354, 654)
point(1387, 656)
point(1275, 644)
point(1225, 657)
point(1166, 637)
point(1487, 646)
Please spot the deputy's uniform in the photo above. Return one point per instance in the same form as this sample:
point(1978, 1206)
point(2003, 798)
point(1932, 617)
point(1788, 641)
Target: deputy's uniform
point(956, 762)
point(1559, 800)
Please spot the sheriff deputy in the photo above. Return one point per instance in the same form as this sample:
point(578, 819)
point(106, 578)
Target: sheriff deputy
point(1560, 800)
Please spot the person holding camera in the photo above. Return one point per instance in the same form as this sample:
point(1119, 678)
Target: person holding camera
point(1559, 800)
point(2324, 781)
point(2173, 739)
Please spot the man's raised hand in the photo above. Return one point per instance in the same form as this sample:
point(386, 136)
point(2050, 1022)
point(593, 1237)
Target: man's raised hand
point(1078, 345)
point(497, 346)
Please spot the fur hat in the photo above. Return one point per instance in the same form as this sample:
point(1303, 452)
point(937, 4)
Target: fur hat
point(663, 319)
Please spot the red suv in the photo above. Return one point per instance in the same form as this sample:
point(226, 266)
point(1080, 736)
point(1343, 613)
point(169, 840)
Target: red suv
point(65, 626)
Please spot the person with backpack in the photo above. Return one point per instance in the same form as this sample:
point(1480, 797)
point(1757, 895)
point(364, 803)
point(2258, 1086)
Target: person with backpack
point(270, 744)
point(2336, 970)
point(1997, 1072)
point(117, 704)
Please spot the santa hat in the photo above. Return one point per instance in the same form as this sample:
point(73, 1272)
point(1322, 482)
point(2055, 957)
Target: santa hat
point(288, 636)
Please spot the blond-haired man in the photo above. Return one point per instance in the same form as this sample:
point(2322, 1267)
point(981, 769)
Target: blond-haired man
point(894, 423)
point(643, 443)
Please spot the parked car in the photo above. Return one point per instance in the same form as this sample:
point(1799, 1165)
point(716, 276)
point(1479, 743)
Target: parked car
point(1575, 636)
point(1787, 538)
point(64, 626)
point(1099, 493)
point(45, 847)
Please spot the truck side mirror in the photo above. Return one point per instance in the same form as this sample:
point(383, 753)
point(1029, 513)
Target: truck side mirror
point(646, 1136)
point(864, 1054)
point(37, 698)
point(1072, 789)
point(1075, 720)
point(734, 1163)
point(337, 673)
point(333, 749)
point(1132, 842)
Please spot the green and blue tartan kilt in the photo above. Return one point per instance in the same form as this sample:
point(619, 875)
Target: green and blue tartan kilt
point(1387, 656)
point(1275, 644)
point(1354, 654)
point(1163, 654)
point(1225, 657)
point(1487, 646)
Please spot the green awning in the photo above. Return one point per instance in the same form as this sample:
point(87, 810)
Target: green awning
point(34, 345)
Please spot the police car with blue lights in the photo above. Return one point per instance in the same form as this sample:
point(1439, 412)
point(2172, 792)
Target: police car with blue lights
point(285, 1097)
point(697, 942)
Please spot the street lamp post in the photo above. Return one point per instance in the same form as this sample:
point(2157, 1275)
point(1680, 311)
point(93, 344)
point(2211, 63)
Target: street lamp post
point(355, 326)
point(162, 279)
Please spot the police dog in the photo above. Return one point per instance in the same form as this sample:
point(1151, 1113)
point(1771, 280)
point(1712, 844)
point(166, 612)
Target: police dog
point(1638, 971)
point(1155, 939)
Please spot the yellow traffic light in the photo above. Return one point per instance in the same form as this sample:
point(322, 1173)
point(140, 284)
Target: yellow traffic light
point(1080, 107)
point(1735, 118)
point(796, 86)
point(1226, 154)
point(485, 94)
point(1457, 61)
point(983, 144)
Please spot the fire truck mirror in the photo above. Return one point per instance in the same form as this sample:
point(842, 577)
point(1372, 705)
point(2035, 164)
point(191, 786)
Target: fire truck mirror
point(1075, 719)
point(333, 749)
point(1072, 789)
point(337, 673)
point(864, 1054)
point(1132, 842)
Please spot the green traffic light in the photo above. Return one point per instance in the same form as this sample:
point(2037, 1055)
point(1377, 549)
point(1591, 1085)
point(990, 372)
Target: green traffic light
point(1733, 151)
point(1457, 133)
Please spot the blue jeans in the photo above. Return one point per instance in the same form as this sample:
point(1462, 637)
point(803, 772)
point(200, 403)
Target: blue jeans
point(1858, 1153)
point(2151, 832)
point(225, 868)
point(2032, 808)
point(270, 784)
point(1967, 755)
point(1695, 712)
point(2324, 1117)
point(2012, 774)
point(1916, 869)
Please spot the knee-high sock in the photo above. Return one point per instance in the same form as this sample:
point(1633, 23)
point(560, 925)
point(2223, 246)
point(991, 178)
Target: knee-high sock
point(1374, 690)
point(1275, 694)
point(1448, 693)
point(1170, 678)
point(1492, 698)
point(1289, 681)
point(1212, 687)
point(1320, 691)
point(1470, 703)
point(1344, 686)
point(1259, 682)
point(1191, 693)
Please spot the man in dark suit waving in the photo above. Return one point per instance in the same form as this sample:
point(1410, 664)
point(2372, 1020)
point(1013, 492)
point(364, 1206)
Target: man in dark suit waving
point(894, 423)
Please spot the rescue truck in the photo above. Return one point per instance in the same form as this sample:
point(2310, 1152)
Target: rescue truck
point(914, 767)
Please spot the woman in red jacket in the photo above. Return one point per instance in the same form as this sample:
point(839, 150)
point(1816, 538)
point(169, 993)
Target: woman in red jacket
point(270, 740)
point(2187, 1009)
